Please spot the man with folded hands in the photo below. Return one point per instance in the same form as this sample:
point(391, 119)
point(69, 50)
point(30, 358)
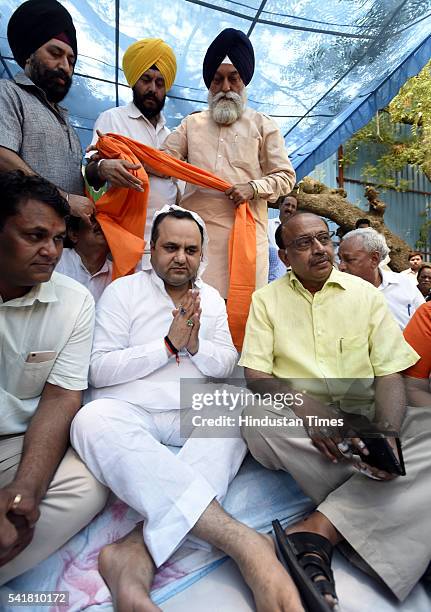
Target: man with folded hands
point(152, 329)
point(330, 336)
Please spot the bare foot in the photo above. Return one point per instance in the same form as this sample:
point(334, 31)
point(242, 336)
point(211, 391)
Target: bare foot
point(273, 588)
point(128, 570)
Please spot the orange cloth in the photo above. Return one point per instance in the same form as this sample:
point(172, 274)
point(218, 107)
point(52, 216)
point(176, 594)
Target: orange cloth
point(418, 335)
point(122, 214)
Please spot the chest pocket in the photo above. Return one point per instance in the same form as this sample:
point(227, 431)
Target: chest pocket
point(353, 357)
point(28, 379)
point(245, 155)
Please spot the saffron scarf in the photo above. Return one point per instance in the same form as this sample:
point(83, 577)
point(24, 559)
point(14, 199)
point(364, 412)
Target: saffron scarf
point(122, 214)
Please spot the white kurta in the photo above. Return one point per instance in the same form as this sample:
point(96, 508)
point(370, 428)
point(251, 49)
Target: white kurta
point(129, 121)
point(121, 435)
point(412, 276)
point(129, 359)
point(402, 297)
point(71, 265)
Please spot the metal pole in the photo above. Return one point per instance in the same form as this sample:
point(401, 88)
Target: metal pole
point(117, 49)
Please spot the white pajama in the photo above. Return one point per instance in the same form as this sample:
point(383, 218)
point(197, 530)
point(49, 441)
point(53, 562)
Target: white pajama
point(123, 446)
point(136, 410)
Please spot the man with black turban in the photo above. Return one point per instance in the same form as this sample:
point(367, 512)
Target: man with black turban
point(238, 144)
point(35, 134)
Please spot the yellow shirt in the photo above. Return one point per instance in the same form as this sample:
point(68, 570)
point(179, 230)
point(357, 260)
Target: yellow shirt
point(345, 331)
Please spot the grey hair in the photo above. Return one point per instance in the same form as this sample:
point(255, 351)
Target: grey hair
point(371, 240)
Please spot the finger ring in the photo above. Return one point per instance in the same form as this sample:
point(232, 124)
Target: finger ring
point(361, 444)
point(230, 197)
point(182, 310)
point(190, 323)
point(16, 500)
point(343, 447)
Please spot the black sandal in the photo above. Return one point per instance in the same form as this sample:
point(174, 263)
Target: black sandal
point(308, 556)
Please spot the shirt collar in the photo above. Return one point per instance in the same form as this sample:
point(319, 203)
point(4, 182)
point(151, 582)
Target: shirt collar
point(22, 79)
point(105, 268)
point(335, 278)
point(388, 278)
point(45, 292)
point(134, 113)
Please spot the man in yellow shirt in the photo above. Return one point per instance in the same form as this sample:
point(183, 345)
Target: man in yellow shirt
point(320, 331)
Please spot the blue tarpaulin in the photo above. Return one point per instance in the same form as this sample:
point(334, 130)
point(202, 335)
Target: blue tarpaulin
point(323, 67)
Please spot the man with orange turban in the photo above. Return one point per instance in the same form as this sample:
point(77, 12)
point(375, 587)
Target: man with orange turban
point(149, 66)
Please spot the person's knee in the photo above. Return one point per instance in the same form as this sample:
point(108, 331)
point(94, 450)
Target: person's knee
point(84, 495)
point(87, 421)
point(256, 436)
point(271, 435)
point(90, 494)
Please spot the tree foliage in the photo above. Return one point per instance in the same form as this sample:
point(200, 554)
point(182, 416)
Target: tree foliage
point(400, 134)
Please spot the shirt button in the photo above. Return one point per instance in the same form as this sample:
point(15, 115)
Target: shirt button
point(221, 139)
point(219, 156)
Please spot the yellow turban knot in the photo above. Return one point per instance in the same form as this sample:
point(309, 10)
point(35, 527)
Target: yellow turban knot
point(148, 52)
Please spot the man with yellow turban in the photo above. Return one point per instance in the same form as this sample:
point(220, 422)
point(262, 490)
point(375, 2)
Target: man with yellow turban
point(238, 144)
point(150, 67)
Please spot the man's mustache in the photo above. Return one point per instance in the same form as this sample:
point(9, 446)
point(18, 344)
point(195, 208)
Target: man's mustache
point(229, 95)
point(317, 260)
point(149, 96)
point(58, 74)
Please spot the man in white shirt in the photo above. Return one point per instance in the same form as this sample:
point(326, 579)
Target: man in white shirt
point(415, 262)
point(361, 252)
point(87, 260)
point(46, 328)
point(153, 329)
point(150, 67)
point(287, 208)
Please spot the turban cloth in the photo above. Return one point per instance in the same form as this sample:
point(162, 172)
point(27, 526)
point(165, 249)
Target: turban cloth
point(235, 45)
point(34, 23)
point(148, 52)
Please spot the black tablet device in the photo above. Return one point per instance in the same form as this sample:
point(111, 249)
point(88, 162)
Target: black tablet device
point(383, 457)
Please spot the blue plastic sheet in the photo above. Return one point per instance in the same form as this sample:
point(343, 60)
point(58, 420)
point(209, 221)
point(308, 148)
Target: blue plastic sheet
point(323, 67)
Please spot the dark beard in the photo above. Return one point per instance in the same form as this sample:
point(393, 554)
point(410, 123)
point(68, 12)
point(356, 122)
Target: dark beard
point(153, 111)
point(44, 78)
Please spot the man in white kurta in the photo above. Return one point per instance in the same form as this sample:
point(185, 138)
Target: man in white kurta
point(152, 330)
point(238, 144)
point(87, 259)
point(361, 253)
point(152, 63)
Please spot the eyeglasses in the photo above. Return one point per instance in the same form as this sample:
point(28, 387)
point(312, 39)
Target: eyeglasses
point(305, 242)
